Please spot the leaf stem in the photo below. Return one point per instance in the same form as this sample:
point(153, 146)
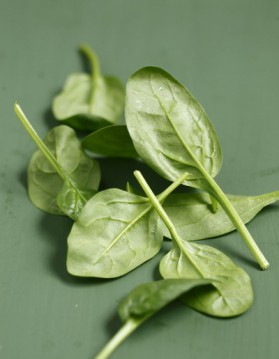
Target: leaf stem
point(237, 221)
point(36, 138)
point(157, 205)
point(166, 219)
point(46, 152)
point(163, 195)
point(127, 328)
point(95, 69)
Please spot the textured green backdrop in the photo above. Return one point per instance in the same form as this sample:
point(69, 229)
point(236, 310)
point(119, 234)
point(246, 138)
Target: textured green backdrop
point(227, 54)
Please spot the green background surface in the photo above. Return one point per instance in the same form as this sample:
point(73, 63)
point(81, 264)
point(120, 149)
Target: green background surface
point(227, 54)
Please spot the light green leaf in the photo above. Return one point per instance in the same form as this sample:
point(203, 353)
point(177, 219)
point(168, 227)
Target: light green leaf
point(111, 141)
point(89, 102)
point(80, 174)
point(71, 201)
point(194, 219)
point(115, 233)
point(232, 293)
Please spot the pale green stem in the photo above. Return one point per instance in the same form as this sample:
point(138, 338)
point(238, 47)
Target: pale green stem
point(131, 325)
point(157, 205)
point(46, 152)
point(95, 70)
point(237, 221)
point(214, 203)
point(127, 329)
point(36, 138)
point(162, 196)
point(168, 222)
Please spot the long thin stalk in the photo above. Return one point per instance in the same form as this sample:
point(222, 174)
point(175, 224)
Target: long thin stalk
point(95, 69)
point(127, 329)
point(166, 219)
point(237, 221)
point(44, 149)
point(36, 138)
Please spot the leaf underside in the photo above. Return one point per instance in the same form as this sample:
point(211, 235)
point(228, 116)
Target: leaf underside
point(194, 219)
point(232, 293)
point(74, 106)
point(44, 183)
point(115, 233)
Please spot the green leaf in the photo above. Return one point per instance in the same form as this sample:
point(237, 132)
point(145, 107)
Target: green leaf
point(80, 175)
point(232, 293)
point(194, 219)
point(111, 141)
point(143, 302)
point(89, 102)
point(173, 135)
point(115, 233)
point(71, 201)
point(149, 298)
point(169, 128)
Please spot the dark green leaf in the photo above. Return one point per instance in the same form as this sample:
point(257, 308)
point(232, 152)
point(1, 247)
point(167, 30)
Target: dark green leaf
point(149, 298)
point(111, 141)
point(144, 301)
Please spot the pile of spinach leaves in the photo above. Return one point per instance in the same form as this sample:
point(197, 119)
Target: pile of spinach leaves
point(117, 230)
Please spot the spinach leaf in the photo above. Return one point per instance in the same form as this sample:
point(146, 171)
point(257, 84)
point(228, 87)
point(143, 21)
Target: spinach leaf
point(115, 233)
point(169, 129)
point(231, 294)
point(111, 141)
point(61, 178)
point(193, 219)
point(172, 133)
point(89, 102)
point(143, 302)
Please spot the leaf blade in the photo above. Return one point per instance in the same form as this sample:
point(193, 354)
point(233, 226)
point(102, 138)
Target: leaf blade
point(116, 232)
point(111, 141)
point(232, 293)
point(194, 220)
point(155, 97)
point(89, 102)
point(148, 298)
point(45, 184)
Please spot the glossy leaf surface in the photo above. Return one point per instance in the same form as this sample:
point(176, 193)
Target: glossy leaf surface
point(173, 134)
point(89, 102)
point(232, 293)
point(81, 174)
point(115, 233)
point(194, 219)
point(111, 141)
point(169, 128)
